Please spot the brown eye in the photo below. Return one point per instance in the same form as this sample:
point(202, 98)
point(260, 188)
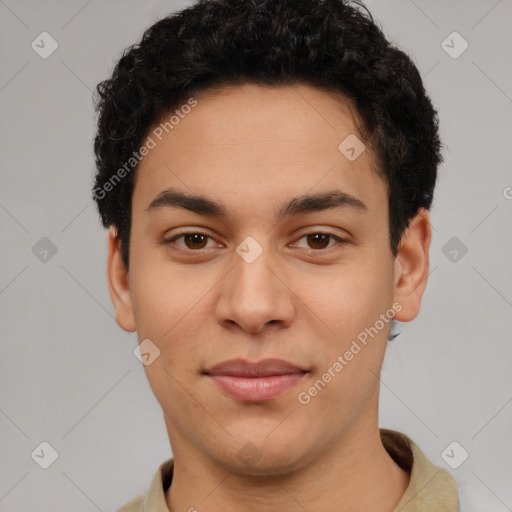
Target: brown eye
point(192, 241)
point(195, 240)
point(318, 240)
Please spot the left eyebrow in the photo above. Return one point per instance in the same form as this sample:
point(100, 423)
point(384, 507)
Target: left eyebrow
point(298, 205)
point(323, 201)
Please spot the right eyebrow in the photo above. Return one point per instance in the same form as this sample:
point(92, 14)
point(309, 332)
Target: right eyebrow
point(198, 204)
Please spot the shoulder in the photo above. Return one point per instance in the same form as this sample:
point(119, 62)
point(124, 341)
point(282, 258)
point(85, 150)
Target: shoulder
point(154, 498)
point(135, 505)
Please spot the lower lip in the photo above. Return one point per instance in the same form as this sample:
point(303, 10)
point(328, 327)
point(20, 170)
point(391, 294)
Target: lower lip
point(256, 389)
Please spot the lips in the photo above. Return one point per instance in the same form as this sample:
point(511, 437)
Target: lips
point(263, 368)
point(255, 382)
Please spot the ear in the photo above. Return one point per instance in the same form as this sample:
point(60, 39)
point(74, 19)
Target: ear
point(412, 265)
point(118, 284)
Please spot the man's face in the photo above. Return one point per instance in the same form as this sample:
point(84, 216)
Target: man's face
point(259, 285)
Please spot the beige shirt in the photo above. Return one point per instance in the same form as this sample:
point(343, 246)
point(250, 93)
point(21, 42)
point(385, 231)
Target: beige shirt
point(431, 489)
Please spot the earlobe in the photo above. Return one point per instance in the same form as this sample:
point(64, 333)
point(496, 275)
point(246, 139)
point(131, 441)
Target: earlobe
point(412, 266)
point(118, 284)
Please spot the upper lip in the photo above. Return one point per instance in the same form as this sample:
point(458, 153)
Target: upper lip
point(263, 368)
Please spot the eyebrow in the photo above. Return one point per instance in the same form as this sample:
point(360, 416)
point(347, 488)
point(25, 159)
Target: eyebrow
point(171, 198)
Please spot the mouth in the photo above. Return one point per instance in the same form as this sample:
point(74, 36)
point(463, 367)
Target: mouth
point(255, 382)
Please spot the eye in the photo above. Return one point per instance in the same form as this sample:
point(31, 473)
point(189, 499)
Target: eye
point(320, 240)
point(194, 241)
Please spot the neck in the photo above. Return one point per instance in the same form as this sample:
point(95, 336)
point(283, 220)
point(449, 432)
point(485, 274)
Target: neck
point(354, 473)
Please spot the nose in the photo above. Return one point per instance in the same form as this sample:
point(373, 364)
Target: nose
point(254, 295)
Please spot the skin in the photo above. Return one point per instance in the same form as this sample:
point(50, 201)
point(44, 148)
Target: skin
point(253, 148)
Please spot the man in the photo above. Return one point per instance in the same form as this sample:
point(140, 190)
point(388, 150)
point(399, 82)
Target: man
point(265, 169)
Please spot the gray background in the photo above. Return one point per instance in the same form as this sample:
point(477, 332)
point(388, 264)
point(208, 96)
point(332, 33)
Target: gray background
point(68, 373)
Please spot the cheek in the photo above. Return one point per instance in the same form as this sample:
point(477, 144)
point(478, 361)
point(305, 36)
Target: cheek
point(165, 296)
point(171, 308)
point(349, 304)
point(349, 298)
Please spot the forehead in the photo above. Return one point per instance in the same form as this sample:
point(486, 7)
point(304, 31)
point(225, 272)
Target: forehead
point(250, 142)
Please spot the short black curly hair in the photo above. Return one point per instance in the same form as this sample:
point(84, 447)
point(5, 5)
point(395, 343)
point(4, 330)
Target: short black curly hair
point(331, 44)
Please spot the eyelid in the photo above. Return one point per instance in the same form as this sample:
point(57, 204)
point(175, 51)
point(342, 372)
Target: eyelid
point(173, 238)
point(333, 231)
point(339, 240)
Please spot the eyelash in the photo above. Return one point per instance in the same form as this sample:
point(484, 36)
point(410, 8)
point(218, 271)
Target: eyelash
point(171, 241)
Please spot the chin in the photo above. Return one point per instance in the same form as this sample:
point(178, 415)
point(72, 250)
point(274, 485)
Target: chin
point(253, 459)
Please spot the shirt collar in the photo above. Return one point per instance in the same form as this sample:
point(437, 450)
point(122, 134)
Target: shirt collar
point(431, 488)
